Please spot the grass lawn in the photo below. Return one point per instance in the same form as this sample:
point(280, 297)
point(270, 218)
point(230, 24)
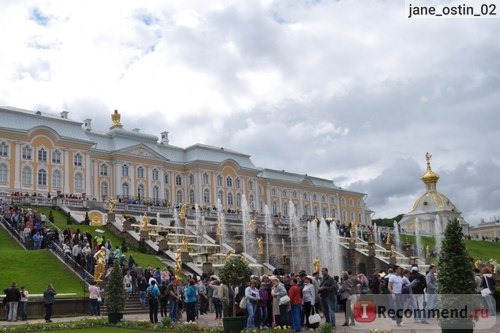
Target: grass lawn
point(35, 269)
point(105, 329)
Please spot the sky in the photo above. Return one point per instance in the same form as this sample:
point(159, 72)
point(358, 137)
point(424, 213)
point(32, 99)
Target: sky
point(352, 91)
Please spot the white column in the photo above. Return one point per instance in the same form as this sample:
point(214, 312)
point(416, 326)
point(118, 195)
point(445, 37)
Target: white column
point(17, 166)
point(96, 191)
point(66, 171)
point(88, 176)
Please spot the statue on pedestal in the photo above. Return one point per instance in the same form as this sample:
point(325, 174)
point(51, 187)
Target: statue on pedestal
point(260, 245)
point(228, 255)
point(100, 267)
point(393, 250)
point(427, 252)
point(111, 205)
point(178, 264)
point(145, 222)
point(388, 239)
point(316, 265)
point(185, 244)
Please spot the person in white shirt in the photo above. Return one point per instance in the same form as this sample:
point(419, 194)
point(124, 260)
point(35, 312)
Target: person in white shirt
point(395, 287)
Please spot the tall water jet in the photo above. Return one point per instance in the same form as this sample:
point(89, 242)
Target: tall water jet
point(338, 264)
point(294, 226)
point(438, 234)
point(418, 239)
point(221, 224)
point(197, 220)
point(249, 229)
point(177, 225)
point(327, 247)
point(376, 236)
point(272, 248)
point(397, 237)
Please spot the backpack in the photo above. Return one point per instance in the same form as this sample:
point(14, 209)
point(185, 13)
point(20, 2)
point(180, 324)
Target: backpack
point(149, 294)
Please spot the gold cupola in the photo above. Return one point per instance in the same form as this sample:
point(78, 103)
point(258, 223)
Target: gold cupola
point(430, 178)
point(115, 118)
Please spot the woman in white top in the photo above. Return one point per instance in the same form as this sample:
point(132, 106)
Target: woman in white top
point(95, 297)
point(24, 303)
point(308, 298)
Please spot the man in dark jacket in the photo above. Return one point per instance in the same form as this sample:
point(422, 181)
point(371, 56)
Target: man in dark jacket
point(328, 294)
point(417, 284)
point(13, 297)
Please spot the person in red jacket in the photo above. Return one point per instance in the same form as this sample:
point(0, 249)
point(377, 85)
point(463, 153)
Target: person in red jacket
point(296, 303)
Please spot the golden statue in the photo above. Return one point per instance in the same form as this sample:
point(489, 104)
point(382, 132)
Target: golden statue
point(115, 118)
point(427, 252)
point(260, 245)
point(95, 220)
point(316, 264)
point(100, 267)
point(494, 267)
point(145, 222)
point(178, 264)
point(388, 239)
point(393, 250)
point(477, 263)
point(228, 255)
point(185, 244)
point(182, 214)
point(111, 205)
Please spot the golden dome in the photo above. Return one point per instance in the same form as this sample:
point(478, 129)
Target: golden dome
point(430, 177)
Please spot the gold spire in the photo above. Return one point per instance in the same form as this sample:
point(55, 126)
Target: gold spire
point(430, 178)
point(115, 118)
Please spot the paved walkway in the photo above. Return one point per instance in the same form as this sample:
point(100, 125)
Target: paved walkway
point(208, 320)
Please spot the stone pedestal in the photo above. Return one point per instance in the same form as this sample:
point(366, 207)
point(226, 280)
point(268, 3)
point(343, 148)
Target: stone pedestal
point(207, 268)
point(163, 245)
point(144, 234)
point(185, 257)
point(407, 250)
point(127, 225)
point(428, 261)
point(392, 260)
point(388, 247)
point(413, 260)
point(111, 217)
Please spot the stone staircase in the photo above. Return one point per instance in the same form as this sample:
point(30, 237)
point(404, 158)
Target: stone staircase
point(132, 306)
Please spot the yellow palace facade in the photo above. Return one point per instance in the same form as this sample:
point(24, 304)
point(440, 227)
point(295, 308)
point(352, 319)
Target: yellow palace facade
point(50, 154)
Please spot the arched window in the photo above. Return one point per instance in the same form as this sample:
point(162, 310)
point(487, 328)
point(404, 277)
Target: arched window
point(178, 180)
point(140, 172)
point(156, 194)
point(284, 194)
point(191, 179)
point(359, 217)
point(306, 210)
point(295, 194)
point(229, 182)
point(125, 170)
point(220, 196)
point(4, 149)
point(42, 155)
point(333, 199)
point(42, 177)
point(324, 213)
point(344, 216)
point(206, 179)
point(342, 201)
point(251, 201)
point(206, 196)
point(155, 174)
point(238, 200)
point(334, 213)
point(273, 191)
point(78, 160)
point(250, 185)
point(285, 208)
point(274, 208)
point(229, 199)
point(351, 202)
point(315, 211)
point(56, 157)
point(305, 196)
point(27, 151)
point(27, 176)
point(140, 192)
point(125, 190)
point(315, 197)
point(179, 197)
point(4, 173)
point(219, 180)
point(56, 179)
point(167, 195)
point(104, 170)
point(104, 189)
point(353, 219)
point(238, 183)
point(167, 178)
point(323, 198)
point(191, 197)
point(78, 182)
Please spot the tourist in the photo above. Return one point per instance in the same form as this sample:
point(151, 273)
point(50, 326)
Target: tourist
point(48, 300)
point(127, 284)
point(226, 294)
point(163, 299)
point(309, 299)
point(202, 291)
point(262, 306)
point(345, 298)
point(280, 311)
point(142, 287)
point(153, 293)
point(430, 291)
point(395, 288)
point(13, 297)
point(488, 281)
point(418, 285)
point(95, 298)
point(216, 293)
point(328, 294)
point(190, 295)
point(24, 303)
point(173, 299)
point(296, 303)
point(252, 295)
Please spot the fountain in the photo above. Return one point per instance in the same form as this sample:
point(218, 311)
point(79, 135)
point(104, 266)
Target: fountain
point(438, 234)
point(271, 245)
point(418, 240)
point(221, 224)
point(249, 229)
point(397, 237)
point(376, 235)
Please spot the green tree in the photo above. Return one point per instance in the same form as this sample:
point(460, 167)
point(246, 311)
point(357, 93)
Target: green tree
point(115, 293)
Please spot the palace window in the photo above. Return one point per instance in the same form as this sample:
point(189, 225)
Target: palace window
point(219, 180)
point(179, 197)
point(206, 196)
point(141, 192)
point(206, 179)
point(178, 181)
point(167, 195)
point(352, 217)
point(284, 194)
point(295, 195)
point(351, 202)
point(103, 170)
point(56, 156)
point(167, 178)
point(333, 199)
point(229, 199)
point(334, 213)
point(27, 176)
point(306, 210)
point(285, 208)
point(104, 189)
point(315, 197)
point(4, 173)
point(155, 174)
point(140, 172)
point(220, 196)
point(323, 198)
point(42, 177)
point(305, 197)
point(344, 216)
point(42, 155)
point(191, 179)
point(78, 182)
point(125, 190)
point(324, 213)
point(273, 191)
point(251, 201)
point(342, 201)
point(78, 160)
point(125, 170)
point(191, 197)
point(238, 200)
point(238, 183)
point(250, 185)
point(156, 194)
point(229, 182)
point(274, 208)
point(27, 152)
point(4, 149)
point(56, 179)
point(315, 211)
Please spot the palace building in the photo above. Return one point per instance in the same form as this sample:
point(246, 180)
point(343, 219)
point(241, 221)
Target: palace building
point(50, 154)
